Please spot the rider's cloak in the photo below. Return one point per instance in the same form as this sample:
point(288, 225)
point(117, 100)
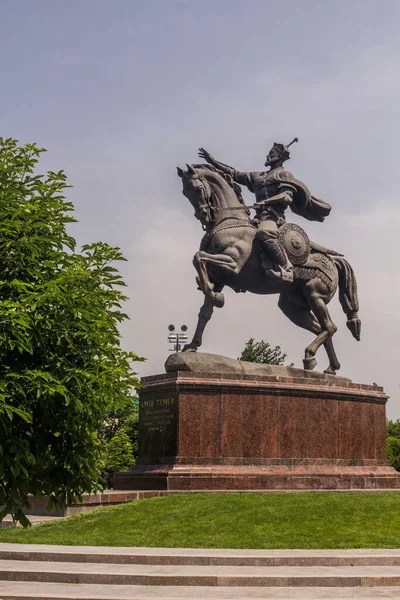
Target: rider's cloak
point(304, 204)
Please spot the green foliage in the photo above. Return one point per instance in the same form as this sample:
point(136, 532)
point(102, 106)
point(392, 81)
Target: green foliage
point(262, 352)
point(302, 520)
point(117, 455)
point(125, 418)
point(119, 439)
point(393, 428)
point(393, 452)
point(61, 365)
point(393, 443)
point(129, 423)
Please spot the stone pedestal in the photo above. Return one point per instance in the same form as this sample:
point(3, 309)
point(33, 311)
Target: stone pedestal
point(283, 429)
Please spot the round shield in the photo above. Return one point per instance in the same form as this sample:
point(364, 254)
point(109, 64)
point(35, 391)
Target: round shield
point(296, 243)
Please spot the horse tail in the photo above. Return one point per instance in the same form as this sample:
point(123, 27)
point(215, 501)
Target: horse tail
point(348, 295)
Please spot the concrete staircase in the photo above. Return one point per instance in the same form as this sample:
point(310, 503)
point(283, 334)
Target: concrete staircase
point(99, 573)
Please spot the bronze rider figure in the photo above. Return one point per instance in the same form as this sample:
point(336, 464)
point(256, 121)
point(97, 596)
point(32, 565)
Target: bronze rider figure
point(275, 190)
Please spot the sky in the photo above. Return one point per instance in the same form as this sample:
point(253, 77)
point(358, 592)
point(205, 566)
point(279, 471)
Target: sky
point(121, 92)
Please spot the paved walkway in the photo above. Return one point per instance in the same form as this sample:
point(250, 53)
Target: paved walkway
point(56, 591)
point(101, 573)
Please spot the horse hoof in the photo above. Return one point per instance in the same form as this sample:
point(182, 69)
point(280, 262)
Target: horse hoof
point(309, 363)
point(330, 371)
point(218, 299)
point(189, 348)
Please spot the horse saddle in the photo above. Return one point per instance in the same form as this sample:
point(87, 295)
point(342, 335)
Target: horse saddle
point(296, 243)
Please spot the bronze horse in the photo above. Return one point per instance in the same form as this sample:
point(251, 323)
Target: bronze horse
point(230, 256)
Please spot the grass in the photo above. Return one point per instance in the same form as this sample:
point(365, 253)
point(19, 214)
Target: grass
point(301, 520)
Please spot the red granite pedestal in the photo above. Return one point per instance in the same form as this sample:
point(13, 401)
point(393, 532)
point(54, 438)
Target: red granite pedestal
point(202, 431)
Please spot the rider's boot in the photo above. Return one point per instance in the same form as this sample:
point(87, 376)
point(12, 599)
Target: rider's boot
point(284, 268)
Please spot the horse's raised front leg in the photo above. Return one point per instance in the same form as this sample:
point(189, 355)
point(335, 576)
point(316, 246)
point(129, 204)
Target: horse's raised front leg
point(205, 315)
point(224, 262)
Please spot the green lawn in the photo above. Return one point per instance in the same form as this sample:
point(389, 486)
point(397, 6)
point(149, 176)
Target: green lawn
point(303, 520)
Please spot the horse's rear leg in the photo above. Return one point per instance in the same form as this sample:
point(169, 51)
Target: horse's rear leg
point(334, 364)
point(302, 316)
point(318, 306)
point(297, 310)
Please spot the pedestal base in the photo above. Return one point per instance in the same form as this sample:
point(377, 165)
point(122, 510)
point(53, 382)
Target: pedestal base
point(261, 478)
point(244, 429)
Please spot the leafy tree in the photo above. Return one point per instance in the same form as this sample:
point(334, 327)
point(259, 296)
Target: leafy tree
point(62, 368)
point(393, 428)
point(262, 352)
point(129, 423)
point(117, 455)
point(393, 443)
point(125, 418)
point(124, 421)
point(393, 452)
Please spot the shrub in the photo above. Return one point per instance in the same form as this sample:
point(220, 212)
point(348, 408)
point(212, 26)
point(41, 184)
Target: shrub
point(117, 455)
point(393, 451)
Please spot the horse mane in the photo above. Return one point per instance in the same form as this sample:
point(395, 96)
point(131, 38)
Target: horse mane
point(228, 178)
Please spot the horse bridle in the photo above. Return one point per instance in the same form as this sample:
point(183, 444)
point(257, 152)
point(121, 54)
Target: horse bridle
point(206, 194)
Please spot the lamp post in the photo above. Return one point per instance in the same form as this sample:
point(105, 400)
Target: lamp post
point(176, 339)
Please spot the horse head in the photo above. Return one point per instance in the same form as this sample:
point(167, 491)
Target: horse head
point(211, 193)
point(198, 191)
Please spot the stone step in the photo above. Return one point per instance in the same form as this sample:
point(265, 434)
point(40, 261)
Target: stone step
point(200, 556)
point(211, 575)
point(56, 591)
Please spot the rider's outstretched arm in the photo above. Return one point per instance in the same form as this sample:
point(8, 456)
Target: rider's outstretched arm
point(240, 177)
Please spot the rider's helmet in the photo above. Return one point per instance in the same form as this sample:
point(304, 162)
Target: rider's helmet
point(279, 152)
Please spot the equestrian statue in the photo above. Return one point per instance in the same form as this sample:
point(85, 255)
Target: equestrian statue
point(267, 255)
